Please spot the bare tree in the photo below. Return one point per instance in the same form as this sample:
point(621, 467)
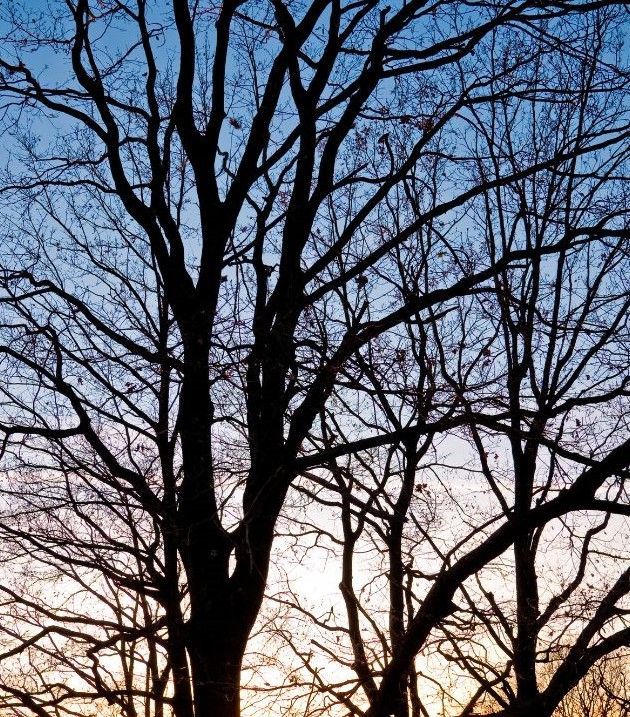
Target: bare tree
point(536, 369)
point(603, 691)
point(238, 209)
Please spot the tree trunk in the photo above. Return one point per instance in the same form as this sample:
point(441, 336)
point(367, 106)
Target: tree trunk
point(216, 667)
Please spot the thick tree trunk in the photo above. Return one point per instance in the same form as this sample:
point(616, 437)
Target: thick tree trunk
point(216, 633)
point(396, 569)
point(527, 614)
point(527, 601)
point(216, 657)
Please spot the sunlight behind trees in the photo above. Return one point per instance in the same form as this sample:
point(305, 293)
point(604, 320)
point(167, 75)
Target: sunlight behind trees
point(314, 358)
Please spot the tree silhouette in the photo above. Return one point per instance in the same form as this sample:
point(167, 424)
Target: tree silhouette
point(246, 246)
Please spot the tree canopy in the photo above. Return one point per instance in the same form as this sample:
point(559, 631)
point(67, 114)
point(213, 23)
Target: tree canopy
point(297, 289)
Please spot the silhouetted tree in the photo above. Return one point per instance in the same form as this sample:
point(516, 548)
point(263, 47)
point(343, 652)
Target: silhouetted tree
point(219, 220)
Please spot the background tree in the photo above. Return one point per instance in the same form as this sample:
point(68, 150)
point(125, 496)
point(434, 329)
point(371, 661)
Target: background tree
point(603, 691)
point(540, 369)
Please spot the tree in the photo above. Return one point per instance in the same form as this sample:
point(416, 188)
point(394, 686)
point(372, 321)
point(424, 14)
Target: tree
point(538, 366)
point(603, 691)
point(239, 209)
